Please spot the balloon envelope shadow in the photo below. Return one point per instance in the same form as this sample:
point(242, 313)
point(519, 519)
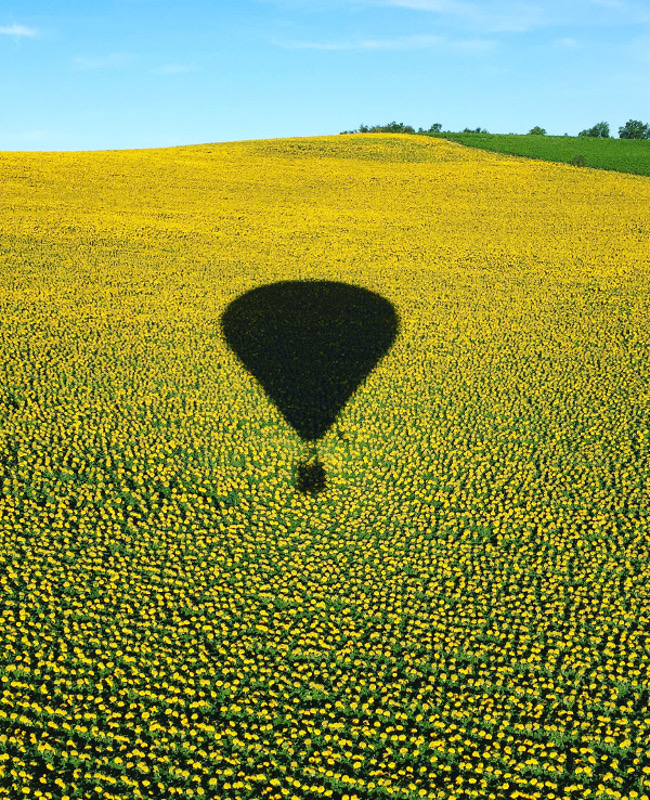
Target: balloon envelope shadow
point(310, 344)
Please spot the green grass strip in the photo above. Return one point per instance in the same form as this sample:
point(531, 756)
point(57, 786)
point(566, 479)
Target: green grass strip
point(622, 155)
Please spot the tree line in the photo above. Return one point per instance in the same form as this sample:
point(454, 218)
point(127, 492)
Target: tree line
point(633, 129)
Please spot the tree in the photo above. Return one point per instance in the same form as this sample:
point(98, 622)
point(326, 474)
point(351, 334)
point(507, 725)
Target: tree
point(435, 128)
point(395, 127)
point(599, 131)
point(392, 127)
point(474, 130)
point(537, 131)
point(634, 129)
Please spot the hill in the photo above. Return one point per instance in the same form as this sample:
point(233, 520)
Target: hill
point(461, 612)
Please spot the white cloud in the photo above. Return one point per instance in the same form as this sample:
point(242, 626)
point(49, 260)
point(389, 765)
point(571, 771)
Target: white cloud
point(175, 69)
point(617, 4)
point(17, 30)
point(622, 11)
point(568, 44)
point(490, 17)
point(415, 42)
point(111, 61)
point(437, 6)
point(520, 16)
point(500, 15)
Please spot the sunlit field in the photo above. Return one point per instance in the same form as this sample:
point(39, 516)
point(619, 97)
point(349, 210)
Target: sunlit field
point(462, 612)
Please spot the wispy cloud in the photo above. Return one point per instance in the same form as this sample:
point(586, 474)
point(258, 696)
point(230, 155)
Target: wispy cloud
point(616, 4)
point(493, 18)
point(17, 30)
point(620, 12)
point(486, 17)
point(175, 69)
point(415, 42)
point(521, 16)
point(111, 61)
point(567, 43)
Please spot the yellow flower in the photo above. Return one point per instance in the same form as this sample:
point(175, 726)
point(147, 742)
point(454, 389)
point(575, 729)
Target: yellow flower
point(479, 538)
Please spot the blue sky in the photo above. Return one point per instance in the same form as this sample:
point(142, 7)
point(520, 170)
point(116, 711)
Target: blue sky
point(115, 74)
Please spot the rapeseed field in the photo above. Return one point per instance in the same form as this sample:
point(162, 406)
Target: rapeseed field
point(462, 612)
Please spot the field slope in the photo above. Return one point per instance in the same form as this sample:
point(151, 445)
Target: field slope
point(622, 155)
point(464, 612)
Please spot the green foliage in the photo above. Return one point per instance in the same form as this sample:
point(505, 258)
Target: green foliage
point(622, 155)
point(579, 161)
point(600, 130)
point(475, 130)
point(391, 127)
point(634, 129)
point(435, 128)
point(396, 127)
point(537, 131)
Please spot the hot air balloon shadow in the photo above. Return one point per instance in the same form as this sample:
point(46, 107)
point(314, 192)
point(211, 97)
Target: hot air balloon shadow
point(310, 344)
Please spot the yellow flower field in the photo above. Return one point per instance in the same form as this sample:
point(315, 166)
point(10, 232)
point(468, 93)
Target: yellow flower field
point(464, 612)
